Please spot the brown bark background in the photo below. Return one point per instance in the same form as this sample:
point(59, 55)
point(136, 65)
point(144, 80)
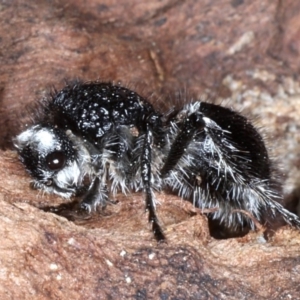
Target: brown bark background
point(244, 53)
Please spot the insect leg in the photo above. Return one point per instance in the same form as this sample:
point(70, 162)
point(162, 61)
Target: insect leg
point(191, 124)
point(97, 195)
point(146, 178)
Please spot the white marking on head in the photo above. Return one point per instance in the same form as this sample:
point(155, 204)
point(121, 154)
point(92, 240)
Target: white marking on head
point(68, 176)
point(43, 139)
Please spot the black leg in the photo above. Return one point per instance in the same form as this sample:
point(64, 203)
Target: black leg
point(96, 196)
point(190, 125)
point(146, 178)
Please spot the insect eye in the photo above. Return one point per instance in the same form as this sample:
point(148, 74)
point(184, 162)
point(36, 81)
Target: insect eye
point(56, 160)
